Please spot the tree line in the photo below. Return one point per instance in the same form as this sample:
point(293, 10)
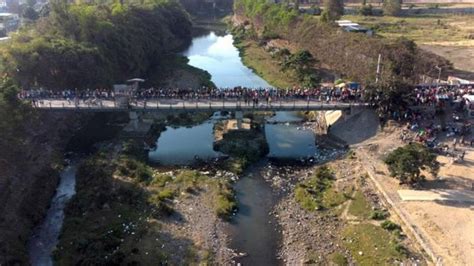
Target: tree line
point(96, 44)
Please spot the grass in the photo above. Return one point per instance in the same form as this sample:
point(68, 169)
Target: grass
point(164, 188)
point(359, 206)
point(338, 259)
point(318, 192)
point(264, 65)
point(377, 245)
point(421, 28)
point(134, 169)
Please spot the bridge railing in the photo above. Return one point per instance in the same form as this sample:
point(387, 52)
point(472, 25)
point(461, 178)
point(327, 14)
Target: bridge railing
point(174, 104)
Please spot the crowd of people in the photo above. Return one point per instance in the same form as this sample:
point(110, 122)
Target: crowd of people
point(422, 95)
point(431, 95)
point(237, 93)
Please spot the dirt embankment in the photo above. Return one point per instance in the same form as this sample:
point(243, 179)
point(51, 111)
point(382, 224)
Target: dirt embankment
point(28, 181)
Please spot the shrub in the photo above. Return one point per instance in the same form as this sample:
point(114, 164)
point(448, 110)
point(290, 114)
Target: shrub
point(225, 203)
point(305, 198)
point(390, 226)
point(366, 10)
point(378, 215)
point(401, 249)
point(161, 180)
point(392, 7)
point(310, 193)
point(166, 194)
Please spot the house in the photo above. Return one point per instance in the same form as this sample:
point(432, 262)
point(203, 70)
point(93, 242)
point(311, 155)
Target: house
point(350, 26)
point(9, 22)
point(469, 105)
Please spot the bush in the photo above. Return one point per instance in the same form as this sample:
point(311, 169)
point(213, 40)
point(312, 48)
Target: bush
point(161, 180)
point(166, 194)
point(366, 10)
point(134, 169)
point(225, 203)
point(392, 7)
point(378, 215)
point(305, 198)
point(310, 194)
point(401, 249)
point(406, 163)
point(390, 226)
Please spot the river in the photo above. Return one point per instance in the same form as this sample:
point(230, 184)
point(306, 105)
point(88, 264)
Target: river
point(253, 231)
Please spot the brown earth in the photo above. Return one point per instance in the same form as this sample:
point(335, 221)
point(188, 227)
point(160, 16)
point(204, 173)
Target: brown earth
point(444, 229)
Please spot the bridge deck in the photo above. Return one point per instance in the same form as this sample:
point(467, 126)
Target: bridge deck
point(192, 105)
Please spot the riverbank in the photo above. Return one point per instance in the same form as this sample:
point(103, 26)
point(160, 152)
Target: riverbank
point(146, 214)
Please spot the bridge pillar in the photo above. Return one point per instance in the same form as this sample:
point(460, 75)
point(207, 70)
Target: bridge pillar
point(239, 116)
point(134, 119)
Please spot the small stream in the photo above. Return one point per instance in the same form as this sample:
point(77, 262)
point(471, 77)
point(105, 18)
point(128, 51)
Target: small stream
point(46, 235)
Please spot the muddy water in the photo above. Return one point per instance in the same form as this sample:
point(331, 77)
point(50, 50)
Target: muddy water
point(255, 232)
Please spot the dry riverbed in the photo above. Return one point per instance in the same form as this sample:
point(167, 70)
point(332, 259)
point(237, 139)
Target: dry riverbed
point(341, 229)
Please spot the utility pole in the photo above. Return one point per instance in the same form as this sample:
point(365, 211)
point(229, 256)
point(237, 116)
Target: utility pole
point(439, 73)
point(377, 76)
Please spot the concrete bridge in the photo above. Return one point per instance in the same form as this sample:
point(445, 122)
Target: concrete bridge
point(201, 105)
point(137, 108)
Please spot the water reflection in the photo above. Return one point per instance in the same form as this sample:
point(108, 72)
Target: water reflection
point(218, 56)
point(181, 146)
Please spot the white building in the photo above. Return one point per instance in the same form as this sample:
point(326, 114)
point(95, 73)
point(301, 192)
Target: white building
point(9, 22)
point(469, 105)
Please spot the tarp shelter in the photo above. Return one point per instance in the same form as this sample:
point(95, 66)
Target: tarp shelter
point(135, 82)
point(469, 104)
point(353, 85)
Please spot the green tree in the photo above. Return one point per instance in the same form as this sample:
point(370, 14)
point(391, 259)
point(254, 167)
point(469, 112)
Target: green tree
point(366, 10)
point(392, 7)
point(89, 45)
point(302, 63)
point(30, 13)
point(333, 10)
point(406, 163)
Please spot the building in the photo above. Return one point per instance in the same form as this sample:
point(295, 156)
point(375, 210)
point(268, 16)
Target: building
point(3, 5)
point(8, 22)
point(469, 105)
point(350, 26)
